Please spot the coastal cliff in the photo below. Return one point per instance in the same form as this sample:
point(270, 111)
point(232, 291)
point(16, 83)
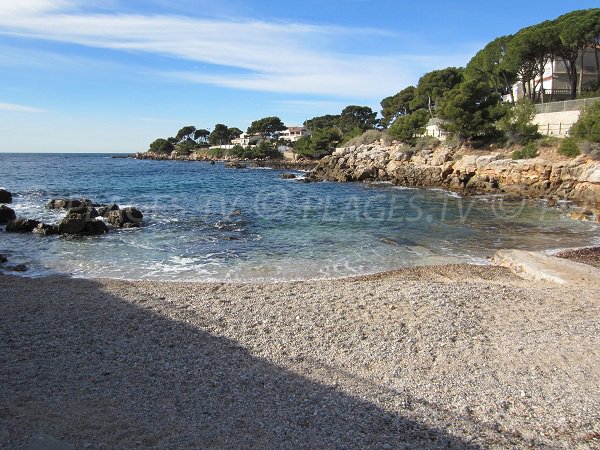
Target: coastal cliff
point(576, 179)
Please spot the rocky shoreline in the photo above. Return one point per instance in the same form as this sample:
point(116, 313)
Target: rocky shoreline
point(303, 164)
point(577, 179)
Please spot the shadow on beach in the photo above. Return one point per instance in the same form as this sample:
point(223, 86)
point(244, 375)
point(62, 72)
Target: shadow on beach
point(94, 371)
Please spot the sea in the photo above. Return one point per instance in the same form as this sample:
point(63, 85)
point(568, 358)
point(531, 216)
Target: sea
point(206, 222)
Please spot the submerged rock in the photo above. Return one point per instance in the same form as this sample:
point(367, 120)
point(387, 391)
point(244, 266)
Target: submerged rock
point(21, 225)
point(19, 268)
point(126, 218)
point(5, 196)
point(6, 214)
point(3, 259)
point(288, 176)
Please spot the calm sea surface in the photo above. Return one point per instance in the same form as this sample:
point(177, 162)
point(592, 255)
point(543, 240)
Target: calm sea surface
point(205, 222)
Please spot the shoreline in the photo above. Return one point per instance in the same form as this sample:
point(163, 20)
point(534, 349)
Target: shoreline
point(458, 357)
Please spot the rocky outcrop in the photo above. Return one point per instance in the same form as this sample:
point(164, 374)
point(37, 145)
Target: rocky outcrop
point(21, 226)
point(5, 196)
point(6, 214)
point(576, 179)
point(235, 165)
point(126, 218)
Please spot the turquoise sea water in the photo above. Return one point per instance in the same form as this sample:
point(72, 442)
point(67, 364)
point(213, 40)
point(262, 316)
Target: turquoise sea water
point(282, 229)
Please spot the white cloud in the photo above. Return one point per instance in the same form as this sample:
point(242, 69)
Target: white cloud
point(254, 55)
point(12, 107)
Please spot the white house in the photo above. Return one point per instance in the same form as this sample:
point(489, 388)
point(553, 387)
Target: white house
point(246, 139)
point(294, 133)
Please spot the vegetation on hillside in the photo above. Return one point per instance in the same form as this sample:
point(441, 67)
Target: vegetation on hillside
point(468, 102)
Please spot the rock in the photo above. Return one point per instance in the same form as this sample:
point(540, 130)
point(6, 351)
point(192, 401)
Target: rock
point(73, 224)
point(68, 203)
point(125, 218)
point(235, 165)
point(104, 210)
point(580, 215)
point(19, 268)
point(288, 176)
point(95, 227)
point(6, 214)
point(3, 259)
point(5, 196)
point(78, 224)
point(21, 226)
point(88, 212)
point(45, 230)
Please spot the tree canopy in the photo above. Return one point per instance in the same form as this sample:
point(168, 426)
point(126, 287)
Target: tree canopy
point(267, 127)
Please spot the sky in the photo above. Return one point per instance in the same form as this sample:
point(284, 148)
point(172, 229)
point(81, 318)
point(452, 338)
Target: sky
point(113, 75)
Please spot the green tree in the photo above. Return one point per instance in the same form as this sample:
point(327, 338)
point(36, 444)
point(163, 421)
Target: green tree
point(397, 106)
point(433, 85)
point(220, 135)
point(516, 123)
point(357, 117)
point(492, 66)
point(186, 132)
point(319, 122)
point(161, 146)
point(470, 110)
point(201, 136)
point(406, 128)
point(322, 142)
point(267, 127)
point(587, 126)
point(234, 133)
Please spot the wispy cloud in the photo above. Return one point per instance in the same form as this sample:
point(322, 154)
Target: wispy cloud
point(245, 54)
point(12, 107)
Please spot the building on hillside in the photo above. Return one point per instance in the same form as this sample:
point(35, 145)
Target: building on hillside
point(556, 82)
point(294, 133)
point(246, 139)
point(434, 129)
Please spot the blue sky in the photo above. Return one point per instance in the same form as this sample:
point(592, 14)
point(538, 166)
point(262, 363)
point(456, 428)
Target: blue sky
point(114, 76)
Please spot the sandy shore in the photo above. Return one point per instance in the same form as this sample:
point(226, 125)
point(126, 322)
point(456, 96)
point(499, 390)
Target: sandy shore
point(441, 357)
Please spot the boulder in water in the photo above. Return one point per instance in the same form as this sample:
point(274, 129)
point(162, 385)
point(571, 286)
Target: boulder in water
point(235, 165)
point(45, 230)
point(6, 214)
point(5, 196)
point(104, 210)
point(21, 226)
point(78, 224)
point(88, 212)
point(126, 218)
point(288, 176)
point(68, 203)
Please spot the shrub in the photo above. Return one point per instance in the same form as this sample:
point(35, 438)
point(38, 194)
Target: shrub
point(568, 147)
point(161, 146)
point(588, 125)
point(528, 151)
point(425, 142)
point(516, 123)
point(369, 137)
point(549, 141)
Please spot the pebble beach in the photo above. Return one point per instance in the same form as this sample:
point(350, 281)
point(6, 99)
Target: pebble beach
point(460, 357)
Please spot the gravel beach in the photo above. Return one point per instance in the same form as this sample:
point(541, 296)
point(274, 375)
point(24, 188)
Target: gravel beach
point(453, 357)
